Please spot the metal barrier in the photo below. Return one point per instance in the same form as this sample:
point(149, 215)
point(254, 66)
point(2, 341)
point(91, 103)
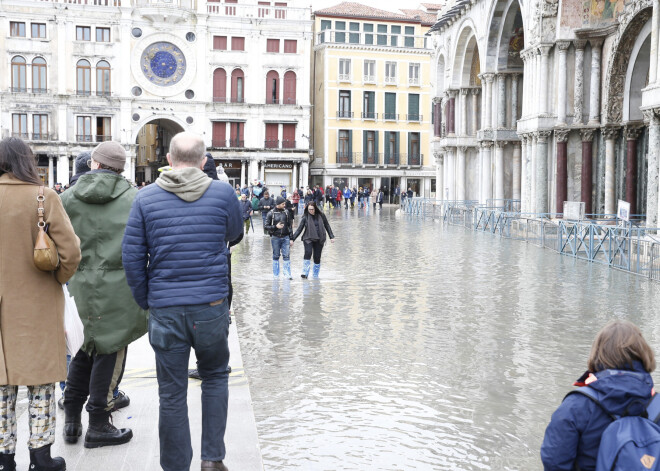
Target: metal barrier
point(628, 247)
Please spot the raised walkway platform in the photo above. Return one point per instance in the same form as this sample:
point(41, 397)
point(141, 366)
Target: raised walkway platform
point(142, 452)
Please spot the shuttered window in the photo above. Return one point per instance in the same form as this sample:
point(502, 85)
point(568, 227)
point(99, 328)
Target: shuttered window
point(390, 106)
point(272, 45)
point(413, 107)
point(289, 88)
point(290, 46)
point(219, 134)
point(237, 44)
point(272, 141)
point(219, 86)
point(288, 136)
point(220, 43)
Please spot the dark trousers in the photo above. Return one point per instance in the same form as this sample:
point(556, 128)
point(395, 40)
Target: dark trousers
point(172, 332)
point(95, 376)
point(313, 246)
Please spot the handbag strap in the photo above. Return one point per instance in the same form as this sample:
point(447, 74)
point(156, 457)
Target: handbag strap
point(40, 207)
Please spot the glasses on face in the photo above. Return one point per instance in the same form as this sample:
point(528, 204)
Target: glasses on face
point(89, 163)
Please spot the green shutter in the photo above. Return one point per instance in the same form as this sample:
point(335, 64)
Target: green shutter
point(413, 106)
point(409, 146)
point(390, 104)
point(396, 146)
point(376, 146)
point(387, 145)
point(350, 145)
point(365, 149)
point(372, 101)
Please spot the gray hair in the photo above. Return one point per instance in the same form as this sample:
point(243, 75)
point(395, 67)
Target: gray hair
point(187, 148)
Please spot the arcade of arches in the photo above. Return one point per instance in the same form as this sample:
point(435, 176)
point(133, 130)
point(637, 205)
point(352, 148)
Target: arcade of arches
point(545, 105)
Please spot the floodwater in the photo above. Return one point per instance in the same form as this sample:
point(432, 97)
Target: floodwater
point(422, 346)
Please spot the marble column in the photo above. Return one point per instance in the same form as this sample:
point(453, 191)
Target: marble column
point(51, 173)
point(242, 173)
point(517, 170)
point(63, 173)
point(532, 171)
point(253, 171)
point(652, 116)
point(544, 87)
point(525, 94)
point(610, 134)
point(262, 170)
point(451, 115)
point(488, 101)
point(460, 173)
point(475, 110)
point(538, 89)
point(437, 118)
point(304, 174)
point(499, 171)
point(439, 174)
point(501, 101)
point(562, 46)
point(579, 81)
point(495, 101)
point(294, 177)
point(653, 65)
point(486, 182)
point(632, 132)
point(450, 182)
point(464, 114)
point(524, 174)
point(561, 193)
point(514, 100)
point(594, 95)
point(587, 169)
point(542, 171)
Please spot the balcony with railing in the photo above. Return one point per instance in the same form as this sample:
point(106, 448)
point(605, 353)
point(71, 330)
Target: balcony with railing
point(414, 118)
point(345, 158)
point(344, 77)
point(369, 79)
point(403, 41)
point(391, 160)
point(92, 138)
point(369, 115)
point(390, 117)
point(98, 3)
point(368, 158)
point(413, 81)
point(286, 144)
point(38, 91)
point(271, 144)
point(105, 93)
point(236, 143)
point(187, 4)
point(217, 9)
point(389, 80)
point(344, 115)
point(414, 160)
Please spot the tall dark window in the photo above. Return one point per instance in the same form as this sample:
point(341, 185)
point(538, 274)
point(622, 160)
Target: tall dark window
point(39, 75)
point(40, 126)
point(344, 104)
point(381, 39)
point(369, 106)
point(390, 106)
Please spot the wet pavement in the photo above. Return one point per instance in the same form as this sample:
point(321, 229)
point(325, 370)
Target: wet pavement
point(422, 346)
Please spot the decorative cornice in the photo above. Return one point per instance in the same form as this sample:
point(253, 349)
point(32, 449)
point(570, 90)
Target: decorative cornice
point(596, 33)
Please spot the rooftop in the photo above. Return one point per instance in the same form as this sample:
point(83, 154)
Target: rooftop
point(358, 10)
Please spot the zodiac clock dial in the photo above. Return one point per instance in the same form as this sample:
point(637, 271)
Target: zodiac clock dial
point(163, 64)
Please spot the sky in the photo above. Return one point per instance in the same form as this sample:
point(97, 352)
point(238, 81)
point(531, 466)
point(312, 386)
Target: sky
point(389, 5)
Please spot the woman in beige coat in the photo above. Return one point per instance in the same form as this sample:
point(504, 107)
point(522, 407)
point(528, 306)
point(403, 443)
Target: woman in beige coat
point(32, 339)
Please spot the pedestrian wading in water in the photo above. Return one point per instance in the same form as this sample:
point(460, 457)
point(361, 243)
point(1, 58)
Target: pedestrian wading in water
point(278, 224)
point(618, 377)
point(314, 224)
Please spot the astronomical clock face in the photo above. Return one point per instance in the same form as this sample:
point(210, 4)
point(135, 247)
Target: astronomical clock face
point(163, 64)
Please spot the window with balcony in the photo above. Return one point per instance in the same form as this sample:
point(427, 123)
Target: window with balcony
point(340, 36)
point(40, 127)
point(414, 157)
point(230, 8)
point(381, 39)
point(368, 29)
point(38, 30)
point(413, 74)
point(237, 44)
point(290, 46)
point(394, 38)
point(272, 88)
point(220, 43)
point(344, 104)
point(290, 81)
point(369, 71)
point(219, 134)
point(39, 84)
point(273, 45)
point(237, 86)
point(103, 78)
point(272, 140)
point(289, 136)
point(390, 72)
point(413, 107)
point(84, 129)
point(18, 74)
point(390, 107)
point(103, 129)
point(16, 29)
point(280, 10)
point(236, 134)
point(409, 39)
point(345, 145)
point(83, 33)
point(345, 70)
point(219, 86)
point(370, 147)
point(263, 10)
point(19, 125)
point(391, 156)
point(103, 35)
point(83, 77)
point(354, 36)
point(369, 105)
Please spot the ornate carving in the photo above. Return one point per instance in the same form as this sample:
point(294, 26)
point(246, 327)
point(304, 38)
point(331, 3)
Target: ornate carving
point(587, 134)
point(579, 81)
point(632, 131)
point(610, 132)
point(651, 116)
point(563, 46)
point(501, 144)
point(476, 91)
point(562, 134)
point(580, 44)
point(542, 136)
point(488, 77)
point(465, 91)
point(486, 144)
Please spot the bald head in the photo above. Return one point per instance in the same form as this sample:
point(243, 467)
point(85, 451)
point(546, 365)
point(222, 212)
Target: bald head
point(186, 150)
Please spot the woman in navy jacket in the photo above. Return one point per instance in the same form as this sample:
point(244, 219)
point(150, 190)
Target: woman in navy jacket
point(619, 367)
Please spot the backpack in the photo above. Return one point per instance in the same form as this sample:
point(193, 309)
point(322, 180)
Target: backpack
point(629, 443)
point(255, 204)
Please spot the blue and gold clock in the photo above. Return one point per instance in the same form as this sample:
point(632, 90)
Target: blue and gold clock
point(163, 64)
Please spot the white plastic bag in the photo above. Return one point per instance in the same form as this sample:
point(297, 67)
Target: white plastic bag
point(73, 326)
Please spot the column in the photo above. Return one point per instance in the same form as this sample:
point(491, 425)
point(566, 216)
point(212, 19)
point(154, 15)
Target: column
point(475, 110)
point(532, 151)
point(501, 101)
point(486, 182)
point(587, 169)
point(517, 165)
point(450, 181)
point(562, 169)
point(63, 170)
point(437, 115)
point(542, 171)
point(253, 171)
point(51, 173)
point(495, 100)
point(610, 134)
point(488, 101)
point(294, 176)
point(514, 100)
point(538, 93)
point(242, 173)
point(524, 174)
point(561, 89)
point(439, 183)
point(544, 87)
point(464, 118)
point(632, 132)
point(499, 171)
point(594, 96)
point(653, 157)
point(262, 170)
point(304, 174)
point(653, 66)
point(524, 55)
point(460, 173)
point(579, 81)
point(451, 118)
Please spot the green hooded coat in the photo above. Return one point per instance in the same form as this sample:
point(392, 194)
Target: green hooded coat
point(98, 206)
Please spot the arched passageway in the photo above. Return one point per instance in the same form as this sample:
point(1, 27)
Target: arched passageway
point(153, 142)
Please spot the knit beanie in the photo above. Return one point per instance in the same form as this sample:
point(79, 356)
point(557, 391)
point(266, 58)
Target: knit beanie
point(110, 153)
point(279, 200)
point(81, 162)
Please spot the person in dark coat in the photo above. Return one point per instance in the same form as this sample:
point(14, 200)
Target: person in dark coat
point(618, 370)
point(246, 212)
point(266, 204)
point(410, 193)
point(81, 166)
point(379, 199)
point(309, 196)
point(314, 224)
point(209, 167)
point(278, 226)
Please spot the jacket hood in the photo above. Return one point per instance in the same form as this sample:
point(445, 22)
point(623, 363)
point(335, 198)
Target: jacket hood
point(624, 389)
point(99, 187)
point(188, 183)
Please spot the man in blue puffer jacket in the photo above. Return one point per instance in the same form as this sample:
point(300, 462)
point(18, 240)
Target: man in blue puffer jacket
point(175, 272)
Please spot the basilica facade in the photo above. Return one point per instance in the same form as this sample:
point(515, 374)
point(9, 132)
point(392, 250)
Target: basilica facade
point(547, 101)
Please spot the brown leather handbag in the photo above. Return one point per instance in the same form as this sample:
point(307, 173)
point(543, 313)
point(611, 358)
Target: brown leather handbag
point(46, 257)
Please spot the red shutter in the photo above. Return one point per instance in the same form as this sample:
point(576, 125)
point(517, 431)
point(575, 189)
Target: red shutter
point(219, 134)
point(220, 43)
point(241, 129)
point(288, 136)
point(219, 86)
point(271, 136)
point(280, 12)
point(272, 87)
point(289, 88)
point(272, 45)
point(234, 86)
point(237, 44)
point(236, 137)
point(230, 10)
point(290, 46)
point(263, 12)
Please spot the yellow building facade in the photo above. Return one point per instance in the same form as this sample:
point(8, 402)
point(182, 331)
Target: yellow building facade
point(372, 100)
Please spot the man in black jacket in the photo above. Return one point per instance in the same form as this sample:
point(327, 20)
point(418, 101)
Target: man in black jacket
point(266, 204)
point(278, 226)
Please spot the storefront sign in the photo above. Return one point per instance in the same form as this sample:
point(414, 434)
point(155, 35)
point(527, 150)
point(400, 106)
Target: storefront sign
point(279, 165)
point(231, 164)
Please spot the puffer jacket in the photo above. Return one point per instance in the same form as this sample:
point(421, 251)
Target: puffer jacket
point(98, 206)
point(573, 436)
point(175, 245)
point(273, 218)
point(246, 209)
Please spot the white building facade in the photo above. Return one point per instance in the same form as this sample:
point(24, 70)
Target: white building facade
point(138, 71)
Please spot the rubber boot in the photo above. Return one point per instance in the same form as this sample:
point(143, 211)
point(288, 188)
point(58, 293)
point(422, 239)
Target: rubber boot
point(305, 270)
point(40, 460)
point(276, 268)
point(286, 268)
point(102, 433)
point(7, 462)
point(316, 270)
point(72, 428)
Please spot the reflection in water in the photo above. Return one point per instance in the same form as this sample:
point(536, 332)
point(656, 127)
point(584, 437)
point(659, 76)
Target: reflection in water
point(421, 346)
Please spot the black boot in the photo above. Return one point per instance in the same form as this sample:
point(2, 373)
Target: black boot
point(102, 433)
point(72, 428)
point(40, 460)
point(7, 462)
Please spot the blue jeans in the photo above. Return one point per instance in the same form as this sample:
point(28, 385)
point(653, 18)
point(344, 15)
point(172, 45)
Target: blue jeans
point(172, 332)
point(280, 244)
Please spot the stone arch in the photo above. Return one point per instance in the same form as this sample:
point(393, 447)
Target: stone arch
point(471, 64)
point(171, 123)
point(631, 22)
point(465, 45)
point(440, 75)
point(637, 75)
point(504, 15)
